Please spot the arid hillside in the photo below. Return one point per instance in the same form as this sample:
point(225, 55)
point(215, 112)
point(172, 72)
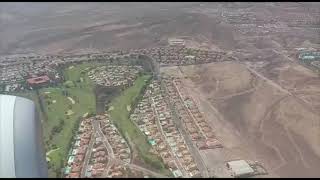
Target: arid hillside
point(257, 119)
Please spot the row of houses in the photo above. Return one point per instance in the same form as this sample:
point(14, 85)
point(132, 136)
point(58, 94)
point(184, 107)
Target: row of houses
point(154, 118)
point(173, 136)
point(14, 72)
point(98, 160)
point(78, 150)
point(173, 55)
point(114, 75)
point(119, 145)
point(18, 73)
point(121, 171)
point(144, 117)
point(194, 122)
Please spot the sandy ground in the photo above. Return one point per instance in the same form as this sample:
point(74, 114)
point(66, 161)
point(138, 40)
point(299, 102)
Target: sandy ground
point(89, 27)
point(69, 112)
point(71, 100)
point(256, 121)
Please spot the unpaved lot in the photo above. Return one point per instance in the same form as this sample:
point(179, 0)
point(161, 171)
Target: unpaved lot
point(255, 120)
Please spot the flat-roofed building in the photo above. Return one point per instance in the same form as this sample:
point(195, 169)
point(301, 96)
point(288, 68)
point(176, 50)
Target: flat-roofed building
point(176, 42)
point(38, 81)
point(240, 168)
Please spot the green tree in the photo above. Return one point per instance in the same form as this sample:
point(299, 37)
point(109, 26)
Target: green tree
point(54, 146)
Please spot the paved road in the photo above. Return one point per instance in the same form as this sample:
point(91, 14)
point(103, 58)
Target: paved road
point(87, 156)
point(177, 161)
point(193, 150)
point(97, 128)
point(139, 168)
point(111, 157)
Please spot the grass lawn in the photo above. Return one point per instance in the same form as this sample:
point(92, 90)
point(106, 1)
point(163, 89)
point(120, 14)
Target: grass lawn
point(61, 106)
point(120, 116)
point(57, 106)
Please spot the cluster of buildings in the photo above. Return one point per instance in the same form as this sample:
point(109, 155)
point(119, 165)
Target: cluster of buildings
point(311, 58)
point(22, 75)
point(250, 22)
point(240, 168)
point(114, 75)
point(239, 17)
point(194, 122)
point(17, 70)
point(154, 118)
point(263, 29)
point(303, 19)
point(92, 146)
point(179, 55)
point(78, 150)
point(119, 145)
point(122, 171)
point(98, 160)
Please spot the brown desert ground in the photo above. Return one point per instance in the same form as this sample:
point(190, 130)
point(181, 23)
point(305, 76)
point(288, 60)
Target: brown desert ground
point(255, 120)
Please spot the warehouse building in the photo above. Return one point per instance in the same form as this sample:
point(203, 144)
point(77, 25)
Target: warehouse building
point(240, 168)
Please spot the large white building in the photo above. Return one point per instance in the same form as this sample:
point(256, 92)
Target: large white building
point(240, 168)
point(176, 42)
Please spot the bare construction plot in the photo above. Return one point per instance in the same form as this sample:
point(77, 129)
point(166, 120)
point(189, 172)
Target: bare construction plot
point(256, 120)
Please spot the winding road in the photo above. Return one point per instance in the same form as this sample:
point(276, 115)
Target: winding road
point(111, 157)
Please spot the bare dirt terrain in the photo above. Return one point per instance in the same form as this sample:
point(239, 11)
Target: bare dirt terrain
point(255, 120)
point(68, 27)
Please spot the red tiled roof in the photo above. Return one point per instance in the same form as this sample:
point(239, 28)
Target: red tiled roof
point(101, 159)
point(76, 169)
point(97, 166)
point(73, 175)
point(38, 80)
point(100, 148)
point(79, 158)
